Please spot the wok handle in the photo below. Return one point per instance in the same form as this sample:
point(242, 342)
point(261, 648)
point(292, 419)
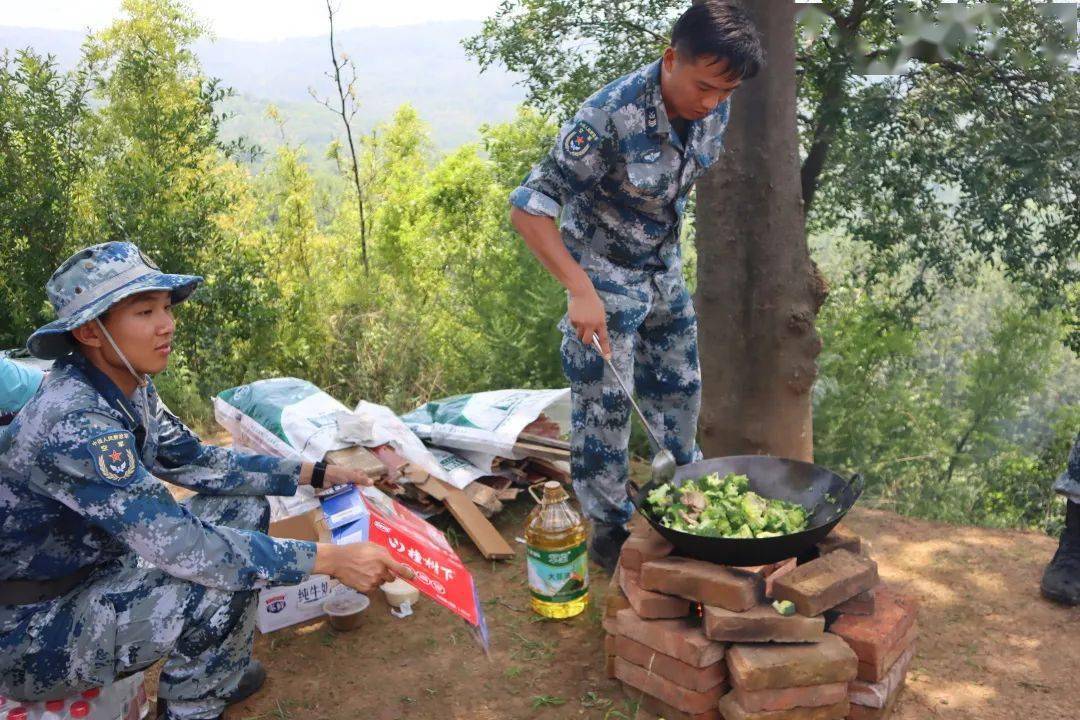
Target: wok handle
point(857, 483)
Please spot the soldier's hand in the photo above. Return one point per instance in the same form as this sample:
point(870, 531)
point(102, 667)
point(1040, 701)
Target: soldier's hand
point(365, 566)
point(338, 475)
point(587, 316)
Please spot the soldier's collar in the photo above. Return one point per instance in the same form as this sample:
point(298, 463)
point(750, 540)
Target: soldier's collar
point(657, 123)
point(108, 390)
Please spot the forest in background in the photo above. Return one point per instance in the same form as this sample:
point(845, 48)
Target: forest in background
point(952, 385)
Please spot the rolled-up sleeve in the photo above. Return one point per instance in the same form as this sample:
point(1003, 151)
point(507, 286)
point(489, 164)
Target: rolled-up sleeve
point(583, 154)
point(136, 508)
point(183, 460)
point(1068, 484)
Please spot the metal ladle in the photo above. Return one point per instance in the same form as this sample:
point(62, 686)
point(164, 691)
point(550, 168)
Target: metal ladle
point(663, 462)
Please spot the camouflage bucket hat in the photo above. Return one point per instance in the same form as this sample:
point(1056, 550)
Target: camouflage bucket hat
point(90, 282)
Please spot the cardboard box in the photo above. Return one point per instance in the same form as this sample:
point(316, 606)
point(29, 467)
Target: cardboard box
point(287, 605)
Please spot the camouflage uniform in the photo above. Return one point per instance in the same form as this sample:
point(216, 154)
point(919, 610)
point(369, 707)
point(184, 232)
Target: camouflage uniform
point(1068, 484)
point(618, 178)
point(80, 492)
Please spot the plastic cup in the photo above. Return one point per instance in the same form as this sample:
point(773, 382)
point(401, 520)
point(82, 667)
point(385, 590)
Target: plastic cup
point(346, 607)
point(399, 592)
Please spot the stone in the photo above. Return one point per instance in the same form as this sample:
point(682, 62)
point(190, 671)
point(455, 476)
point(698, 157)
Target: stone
point(648, 604)
point(731, 710)
point(727, 587)
point(659, 710)
point(681, 639)
point(877, 694)
point(873, 636)
point(826, 582)
point(862, 604)
point(876, 672)
point(693, 678)
point(642, 548)
point(762, 667)
point(780, 570)
point(678, 697)
point(840, 538)
point(761, 623)
point(788, 698)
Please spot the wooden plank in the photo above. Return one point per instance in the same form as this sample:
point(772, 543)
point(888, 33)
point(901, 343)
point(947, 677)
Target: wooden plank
point(357, 458)
point(545, 441)
point(483, 534)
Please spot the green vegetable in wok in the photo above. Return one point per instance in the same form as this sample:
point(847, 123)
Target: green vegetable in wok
point(724, 507)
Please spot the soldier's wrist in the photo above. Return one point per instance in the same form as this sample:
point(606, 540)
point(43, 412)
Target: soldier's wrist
point(326, 559)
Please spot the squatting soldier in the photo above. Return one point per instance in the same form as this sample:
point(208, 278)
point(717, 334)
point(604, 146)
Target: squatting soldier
point(102, 572)
point(618, 179)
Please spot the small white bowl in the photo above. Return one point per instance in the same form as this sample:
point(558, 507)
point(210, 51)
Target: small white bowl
point(399, 592)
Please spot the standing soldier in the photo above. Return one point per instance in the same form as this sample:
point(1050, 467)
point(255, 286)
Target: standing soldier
point(102, 572)
point(1061, 579)
point(618, 178)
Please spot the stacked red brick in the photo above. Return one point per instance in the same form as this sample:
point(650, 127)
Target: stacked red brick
point(877, 624)
point(777, 667)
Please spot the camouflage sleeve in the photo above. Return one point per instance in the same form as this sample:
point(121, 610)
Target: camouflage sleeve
point(88, 463)
point(584, 153)
point(183, 460)
point(1068, 484)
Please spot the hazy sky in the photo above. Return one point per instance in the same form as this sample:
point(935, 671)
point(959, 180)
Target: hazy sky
point(251, 19)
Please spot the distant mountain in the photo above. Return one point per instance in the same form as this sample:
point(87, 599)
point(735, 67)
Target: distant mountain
point(419, 64)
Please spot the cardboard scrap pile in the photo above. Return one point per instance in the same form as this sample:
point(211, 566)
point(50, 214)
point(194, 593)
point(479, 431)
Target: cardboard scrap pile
point(467, 454)
point(695, 640)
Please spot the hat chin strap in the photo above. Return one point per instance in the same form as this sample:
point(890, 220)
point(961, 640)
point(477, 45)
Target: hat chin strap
point(141, 379)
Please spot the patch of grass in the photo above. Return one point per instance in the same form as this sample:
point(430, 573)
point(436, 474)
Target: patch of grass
point(513, 671)
point(592, 700)
point(532, 650)
point(539, 701)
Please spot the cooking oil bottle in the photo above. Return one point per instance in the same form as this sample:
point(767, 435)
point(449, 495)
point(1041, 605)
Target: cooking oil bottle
point(556, 540)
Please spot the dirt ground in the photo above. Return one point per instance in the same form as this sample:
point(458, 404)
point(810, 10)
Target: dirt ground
point(989, 648)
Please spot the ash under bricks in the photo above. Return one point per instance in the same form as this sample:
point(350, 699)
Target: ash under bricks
point(692, 640)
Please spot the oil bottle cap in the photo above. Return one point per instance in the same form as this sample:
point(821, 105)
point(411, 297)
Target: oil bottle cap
point(91, 693)
point(80, 709)
point(19, 713)
point(54, 705)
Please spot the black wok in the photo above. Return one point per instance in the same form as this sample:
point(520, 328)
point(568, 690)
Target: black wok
point(826, 496)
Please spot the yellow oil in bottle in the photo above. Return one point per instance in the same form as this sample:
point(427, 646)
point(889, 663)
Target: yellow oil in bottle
point(556, 541)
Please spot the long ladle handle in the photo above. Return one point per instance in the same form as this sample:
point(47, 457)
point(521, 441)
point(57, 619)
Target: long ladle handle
point(657, 447)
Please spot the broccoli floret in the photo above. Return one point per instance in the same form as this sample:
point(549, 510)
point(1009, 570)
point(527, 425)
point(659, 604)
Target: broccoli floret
point(784, 607)
point(660, 497)
point(724, 507)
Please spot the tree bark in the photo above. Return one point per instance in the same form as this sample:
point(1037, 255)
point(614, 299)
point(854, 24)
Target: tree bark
point(758, 291)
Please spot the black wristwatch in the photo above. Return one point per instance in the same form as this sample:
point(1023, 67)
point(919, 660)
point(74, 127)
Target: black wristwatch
point(318, 475)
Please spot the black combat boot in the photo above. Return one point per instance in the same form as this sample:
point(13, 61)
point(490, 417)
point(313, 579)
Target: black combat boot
point(253, 678)
point(606, 543)
point(1061, 581)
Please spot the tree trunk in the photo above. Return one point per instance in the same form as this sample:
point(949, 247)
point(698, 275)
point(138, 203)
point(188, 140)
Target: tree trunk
point(758, 292)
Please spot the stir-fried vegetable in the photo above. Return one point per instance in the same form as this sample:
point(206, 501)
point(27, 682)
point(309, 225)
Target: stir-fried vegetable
point(724, 507)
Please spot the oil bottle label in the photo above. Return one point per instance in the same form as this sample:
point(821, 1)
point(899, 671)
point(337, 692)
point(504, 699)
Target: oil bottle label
point(558, 576)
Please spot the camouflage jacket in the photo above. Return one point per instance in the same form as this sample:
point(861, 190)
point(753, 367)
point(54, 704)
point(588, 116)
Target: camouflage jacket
point(619, 176)
point(79, 486)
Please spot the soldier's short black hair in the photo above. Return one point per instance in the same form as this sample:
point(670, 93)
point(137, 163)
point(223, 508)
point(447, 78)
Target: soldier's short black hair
point(722, 30)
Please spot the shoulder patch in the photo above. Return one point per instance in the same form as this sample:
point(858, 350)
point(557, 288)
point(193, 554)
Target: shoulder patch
point(113, 455)
point(580, 140)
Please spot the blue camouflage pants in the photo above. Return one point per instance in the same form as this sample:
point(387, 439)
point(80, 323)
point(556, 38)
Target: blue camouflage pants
point(129, 615)
point(653, 338)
